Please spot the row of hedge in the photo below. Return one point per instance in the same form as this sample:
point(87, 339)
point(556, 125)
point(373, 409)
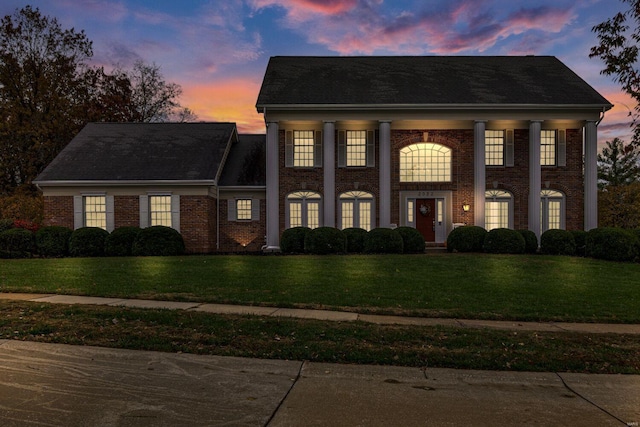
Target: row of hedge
point(612, 244)
point(56, 241)
point(329, 240)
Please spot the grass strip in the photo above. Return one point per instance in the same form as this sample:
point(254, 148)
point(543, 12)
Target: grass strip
point(296, 339)
point(474, 286)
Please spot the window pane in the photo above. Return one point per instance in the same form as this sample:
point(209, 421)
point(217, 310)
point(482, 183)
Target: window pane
point(160, 210)
point(95, 211)
point(364, 215)
point(356, 148)
point(425, 162)
point(313, 214)
point(347, 215)
point(410, 208)
point(496, 215)
point(295, 214)
point(554, 214)
point(548, 148)
point(303, 141)
point(243, 209)
point(494, 147)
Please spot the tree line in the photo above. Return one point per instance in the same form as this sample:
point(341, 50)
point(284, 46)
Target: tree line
point(618, 164)
point(49, 92)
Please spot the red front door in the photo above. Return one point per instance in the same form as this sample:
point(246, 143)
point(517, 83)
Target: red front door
point(426, 218)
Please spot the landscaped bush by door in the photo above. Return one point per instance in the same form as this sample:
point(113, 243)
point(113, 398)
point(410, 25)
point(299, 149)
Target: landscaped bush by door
point(469, 238)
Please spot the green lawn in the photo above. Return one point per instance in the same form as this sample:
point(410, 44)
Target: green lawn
point(448, 285)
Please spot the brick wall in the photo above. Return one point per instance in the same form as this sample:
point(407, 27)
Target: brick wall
point(242, 236)
point(514, 179)
point(126, 211)
point(58, 210)
point(196, 214)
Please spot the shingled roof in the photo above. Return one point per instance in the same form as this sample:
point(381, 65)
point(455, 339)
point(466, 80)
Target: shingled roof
point(424, 81)
point(245, 165)
point(109, 152)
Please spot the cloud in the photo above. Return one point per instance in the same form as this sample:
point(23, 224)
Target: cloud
point(455, 26)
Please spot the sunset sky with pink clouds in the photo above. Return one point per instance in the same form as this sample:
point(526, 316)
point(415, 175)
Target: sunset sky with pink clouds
point(218, 50)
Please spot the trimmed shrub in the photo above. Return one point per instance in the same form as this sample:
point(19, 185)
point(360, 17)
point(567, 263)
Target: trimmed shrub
point(158, 241)
point(580, 237)
point(325, 240)
point(612, 244)
point(355, 239)
point(469, 238)
point(292, 240)
point(6, 224)
point(412, 240)
point(383, 241)
point(87, 242)
point(120, 241)
point(16, 243)
point(504, 241)
point(530, 241)
point(53, 241)
point(557, 242)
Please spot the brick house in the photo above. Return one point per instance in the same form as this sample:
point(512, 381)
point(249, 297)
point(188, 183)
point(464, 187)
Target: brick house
point(138, 174)
point(429, 142)
point(425, 142)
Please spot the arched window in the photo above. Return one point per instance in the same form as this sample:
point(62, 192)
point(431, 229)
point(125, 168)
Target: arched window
point(303, 209)
point(356, 210)
point(498, 209)
point(425, 162)
point(551, 210)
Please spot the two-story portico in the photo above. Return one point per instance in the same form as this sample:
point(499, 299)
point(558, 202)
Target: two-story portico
point(429, 142)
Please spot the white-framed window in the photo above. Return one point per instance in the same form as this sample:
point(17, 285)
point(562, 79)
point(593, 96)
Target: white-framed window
point(552, 210)
point(494, 147)
point(356, 210)
point(425, 162)
point(303, 209)
point(243, 209)
point(95, 211)
point(547, 147)
point(160, 210)
point(356, 148)
point(498, 209)
point(303, 148)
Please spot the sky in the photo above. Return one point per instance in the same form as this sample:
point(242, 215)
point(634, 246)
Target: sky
point(218, 50)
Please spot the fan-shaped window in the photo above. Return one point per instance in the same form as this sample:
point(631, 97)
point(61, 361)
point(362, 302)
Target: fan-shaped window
point(425, 162)
point(303, 209)
point(356, 209)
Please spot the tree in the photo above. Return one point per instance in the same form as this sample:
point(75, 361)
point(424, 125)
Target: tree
point(150, 98)
point(48, 92)
point(618, 48)
point(618, 164)
point(42, 93)
point(619, 206)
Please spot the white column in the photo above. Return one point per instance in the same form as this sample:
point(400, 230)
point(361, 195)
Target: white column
point(385, 173)
point(535, 176)
point(329, 162)
point(273, 190)
point(590, 175)
point(479, 173)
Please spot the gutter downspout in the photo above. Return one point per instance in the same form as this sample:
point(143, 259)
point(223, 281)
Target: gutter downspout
point(217, 218)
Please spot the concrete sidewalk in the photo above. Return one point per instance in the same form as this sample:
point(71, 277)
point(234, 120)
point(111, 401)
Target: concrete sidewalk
point(340, 316)
point(62, 385)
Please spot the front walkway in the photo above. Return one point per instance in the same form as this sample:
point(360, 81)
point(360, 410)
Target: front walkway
point(337, 316)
